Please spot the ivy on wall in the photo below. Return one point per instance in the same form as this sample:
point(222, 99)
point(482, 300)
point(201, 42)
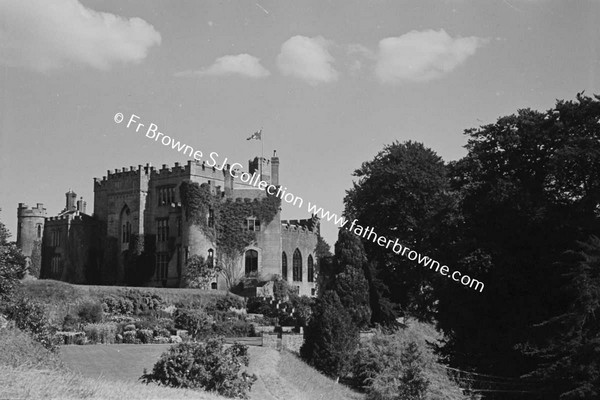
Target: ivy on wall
point(229, 224)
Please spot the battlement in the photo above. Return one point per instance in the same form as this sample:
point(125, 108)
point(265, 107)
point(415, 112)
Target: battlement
point(125, 173)
point(301, 225)
point(76, 216)
point(25, 211)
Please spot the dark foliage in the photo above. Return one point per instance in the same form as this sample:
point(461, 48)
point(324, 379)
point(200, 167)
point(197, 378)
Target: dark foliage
point(12, 265)
point(330, 337)
point(90, 312)
point(31, 317)
point(401, 193)
point(528, 189)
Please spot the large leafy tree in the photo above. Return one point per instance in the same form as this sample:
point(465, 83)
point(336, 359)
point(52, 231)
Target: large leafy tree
point(402, 193)
point(528, 189)
point(12, 264)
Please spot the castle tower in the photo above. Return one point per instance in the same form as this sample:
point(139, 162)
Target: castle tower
point(71, 199)
point(30, 230)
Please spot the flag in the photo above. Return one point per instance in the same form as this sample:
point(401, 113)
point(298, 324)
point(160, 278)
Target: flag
point(256, 135)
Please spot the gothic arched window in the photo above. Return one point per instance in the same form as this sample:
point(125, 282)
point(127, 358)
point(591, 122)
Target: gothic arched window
point(297, 266)
point(284, 266)
point(311, 269)
point(211, 257)
point(251, 261)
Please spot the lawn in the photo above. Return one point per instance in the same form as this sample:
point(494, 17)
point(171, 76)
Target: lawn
point(281, 375)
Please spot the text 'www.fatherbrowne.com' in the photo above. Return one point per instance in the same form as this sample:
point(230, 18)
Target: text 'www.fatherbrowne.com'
point(236, 170)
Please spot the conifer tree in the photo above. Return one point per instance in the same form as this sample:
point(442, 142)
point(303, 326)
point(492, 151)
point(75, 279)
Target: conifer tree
point(330, 337)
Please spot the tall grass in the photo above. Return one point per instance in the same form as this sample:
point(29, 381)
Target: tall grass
point(27, 383)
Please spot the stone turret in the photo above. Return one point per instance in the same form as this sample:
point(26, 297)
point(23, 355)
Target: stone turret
point(30, 230)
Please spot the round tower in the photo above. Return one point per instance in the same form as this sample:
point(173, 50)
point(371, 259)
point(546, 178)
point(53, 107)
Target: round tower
point(30, 232)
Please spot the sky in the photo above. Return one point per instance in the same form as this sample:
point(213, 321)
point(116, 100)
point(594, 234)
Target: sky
point(329, 82)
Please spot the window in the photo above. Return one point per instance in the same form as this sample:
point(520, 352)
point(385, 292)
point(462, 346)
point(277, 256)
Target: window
point(211, 257)
point(55, 238)
point(213, 285)
point(253, 224)
point(39, 231)
point(162, 266)
point(56, 265)
point(211, 218)
point(162, 229)
point(126, 232)
point(284, 266)
point(251, 261)
point(313, 291)
point(166, 195)
point(311, 269)
point(297, 266)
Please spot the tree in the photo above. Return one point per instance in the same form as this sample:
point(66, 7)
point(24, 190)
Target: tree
point(402, 193)
point(527, 190)
point(569, 362)
point(200, 272)
point(390, 367)
point(330, 337)
point(349, 280)
point(12, 265)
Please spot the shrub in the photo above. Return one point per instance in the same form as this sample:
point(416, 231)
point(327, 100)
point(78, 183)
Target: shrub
point(206, 366)
point(162, 332)
point(225, 303)
point(71, 322)
point(198, 323)
point(31, 317)
point(389, 367)
point(162, 339)
point(117, 305)
point(234, 328)
point(258, 305)
point(145, 335)
point(71, 337)
point(144, 302)
point(90, 312)
point(129, 327)
point(101, 333)
point(130, 337)
point(12, 265)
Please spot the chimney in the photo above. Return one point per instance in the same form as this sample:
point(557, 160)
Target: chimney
point(81, 205)
point(275, 169)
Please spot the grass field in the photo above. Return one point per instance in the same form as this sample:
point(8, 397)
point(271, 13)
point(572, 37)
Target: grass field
point(280, 375)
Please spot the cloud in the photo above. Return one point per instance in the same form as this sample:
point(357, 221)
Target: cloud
point(422, 56)
point(307, 59)
point(44, 35)
point(241, 64)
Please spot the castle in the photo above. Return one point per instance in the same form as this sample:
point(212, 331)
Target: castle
point(140, 233)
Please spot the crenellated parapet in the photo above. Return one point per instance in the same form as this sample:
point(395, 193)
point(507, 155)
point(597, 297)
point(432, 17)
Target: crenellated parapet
point(25, 211)
point(310, 225)
point(124, 174)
